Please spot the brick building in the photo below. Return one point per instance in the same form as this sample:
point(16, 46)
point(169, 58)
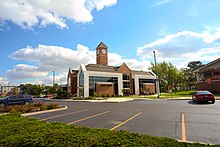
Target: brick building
point(208, 77)
point(101, 79)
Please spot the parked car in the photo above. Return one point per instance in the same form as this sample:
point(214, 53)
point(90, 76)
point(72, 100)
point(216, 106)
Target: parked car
point(203, 96)
point(15, 100)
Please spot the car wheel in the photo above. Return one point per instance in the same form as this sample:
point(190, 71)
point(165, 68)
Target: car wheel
point(26, 103)
point(213, 101)
point(2, 104)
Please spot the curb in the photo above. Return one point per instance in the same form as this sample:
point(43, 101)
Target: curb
point(46, 111)
point(101, 101)
point(204, 143)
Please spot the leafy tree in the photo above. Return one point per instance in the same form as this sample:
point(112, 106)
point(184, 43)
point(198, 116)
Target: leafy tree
point(167, 73)
point(190, 76)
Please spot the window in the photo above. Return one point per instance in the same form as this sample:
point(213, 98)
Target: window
point(142, 81)
point(94, 79)
point(216, 73)
point(125, 76)
point(207, 74)
point(81, 79)
point(126, 84)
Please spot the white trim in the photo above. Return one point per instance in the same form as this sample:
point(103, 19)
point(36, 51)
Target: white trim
point(101, 74)
point(136, 81)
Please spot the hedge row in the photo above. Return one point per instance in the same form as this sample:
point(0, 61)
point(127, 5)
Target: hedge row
point(29, 108)
point(21, 131)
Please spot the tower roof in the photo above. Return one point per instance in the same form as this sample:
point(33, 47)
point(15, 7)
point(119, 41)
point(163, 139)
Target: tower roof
point(101, 44)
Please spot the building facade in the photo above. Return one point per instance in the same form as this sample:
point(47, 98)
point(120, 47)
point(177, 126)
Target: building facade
point(208, 77)
point(8, 90)
point(101, 79)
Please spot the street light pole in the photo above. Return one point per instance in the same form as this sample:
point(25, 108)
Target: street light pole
point(53, 78)
point(157, 80)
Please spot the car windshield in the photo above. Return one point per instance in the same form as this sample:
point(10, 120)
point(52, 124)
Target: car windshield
point(203, 92)
point(5, 97)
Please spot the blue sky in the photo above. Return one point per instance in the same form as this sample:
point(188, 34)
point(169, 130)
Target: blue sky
point(41, 36)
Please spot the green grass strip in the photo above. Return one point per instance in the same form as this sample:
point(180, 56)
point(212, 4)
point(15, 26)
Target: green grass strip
point(21, 131)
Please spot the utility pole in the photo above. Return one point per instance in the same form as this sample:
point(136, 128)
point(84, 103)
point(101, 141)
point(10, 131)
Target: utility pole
point(53, 78)
point(157, 80)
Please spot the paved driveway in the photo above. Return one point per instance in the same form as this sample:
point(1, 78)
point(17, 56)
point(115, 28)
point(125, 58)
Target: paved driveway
point(179, 119)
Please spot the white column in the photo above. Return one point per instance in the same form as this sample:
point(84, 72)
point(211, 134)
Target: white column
point(197, 77)
point(136, 85)
point(120, 85)
point(86, 84)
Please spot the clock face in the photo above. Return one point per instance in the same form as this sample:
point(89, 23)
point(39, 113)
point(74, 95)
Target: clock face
point(98, 51)
point(103, 51)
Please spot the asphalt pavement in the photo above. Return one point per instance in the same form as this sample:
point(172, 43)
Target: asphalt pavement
point(179, 119)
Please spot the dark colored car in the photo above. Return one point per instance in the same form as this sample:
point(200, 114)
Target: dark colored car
point(15, 100)
point(203, 96)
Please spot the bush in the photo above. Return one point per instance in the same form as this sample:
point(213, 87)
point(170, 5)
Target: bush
point(113, 95)
point(29, 108)
point(21, 131)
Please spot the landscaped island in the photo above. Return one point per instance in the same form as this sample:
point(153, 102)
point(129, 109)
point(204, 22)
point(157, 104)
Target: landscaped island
point(17, 130)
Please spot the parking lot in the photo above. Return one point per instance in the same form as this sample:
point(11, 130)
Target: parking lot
point(180, 119)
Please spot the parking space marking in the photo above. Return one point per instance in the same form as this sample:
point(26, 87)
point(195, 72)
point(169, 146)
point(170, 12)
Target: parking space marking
point(183, 128)
point(125, 121)
point(88, 117)
point(63, 115)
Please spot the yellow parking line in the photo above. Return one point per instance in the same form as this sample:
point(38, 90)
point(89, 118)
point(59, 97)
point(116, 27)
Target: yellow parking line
point(88, 117)
point(125, 121)
point(183, 128)
point(63, 115)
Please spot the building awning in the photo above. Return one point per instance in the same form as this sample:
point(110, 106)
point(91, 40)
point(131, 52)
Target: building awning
point(104, 83)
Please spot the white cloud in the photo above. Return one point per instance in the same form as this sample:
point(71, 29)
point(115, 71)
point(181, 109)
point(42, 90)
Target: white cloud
point(3, 81)
point(116, 59)
point(23, 71)
point(161, 2)
point(60, 78)
point(30, 13)
point(55, 58)
point(50, 58)
point(183, 47)
point(100, 4)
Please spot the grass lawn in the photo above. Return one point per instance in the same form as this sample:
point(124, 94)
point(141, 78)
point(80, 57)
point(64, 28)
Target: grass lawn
point(178, 94)
point(21, 131)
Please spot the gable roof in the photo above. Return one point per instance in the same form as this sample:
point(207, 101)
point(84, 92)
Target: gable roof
point(101, 68)
point(102, 45)
point(148, 73)
point(208, 66)
point(113, 69)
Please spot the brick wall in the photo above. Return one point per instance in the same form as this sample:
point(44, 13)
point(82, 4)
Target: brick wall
point(151, 88)
point(102, 89)
point(73, 89)
point(214, 86)
point(124, 69)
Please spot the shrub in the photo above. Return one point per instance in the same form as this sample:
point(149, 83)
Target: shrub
point(29, 108)
point(52, 106)
point(20, 131)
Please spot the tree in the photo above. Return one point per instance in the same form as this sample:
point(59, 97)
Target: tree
point(190, 75)
point(167, 73)
point(193, 65)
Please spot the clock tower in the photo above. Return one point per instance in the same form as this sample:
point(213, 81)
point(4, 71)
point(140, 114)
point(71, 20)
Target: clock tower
point(102, 54)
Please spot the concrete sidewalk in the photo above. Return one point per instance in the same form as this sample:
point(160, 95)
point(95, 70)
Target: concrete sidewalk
point(123, 99)
point(112, 100)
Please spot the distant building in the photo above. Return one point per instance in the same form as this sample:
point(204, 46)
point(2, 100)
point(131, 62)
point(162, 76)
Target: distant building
point(101, 79)
point(8, 90)
point(208, 77)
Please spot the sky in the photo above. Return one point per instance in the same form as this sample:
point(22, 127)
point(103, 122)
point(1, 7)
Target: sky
point(41, 36)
